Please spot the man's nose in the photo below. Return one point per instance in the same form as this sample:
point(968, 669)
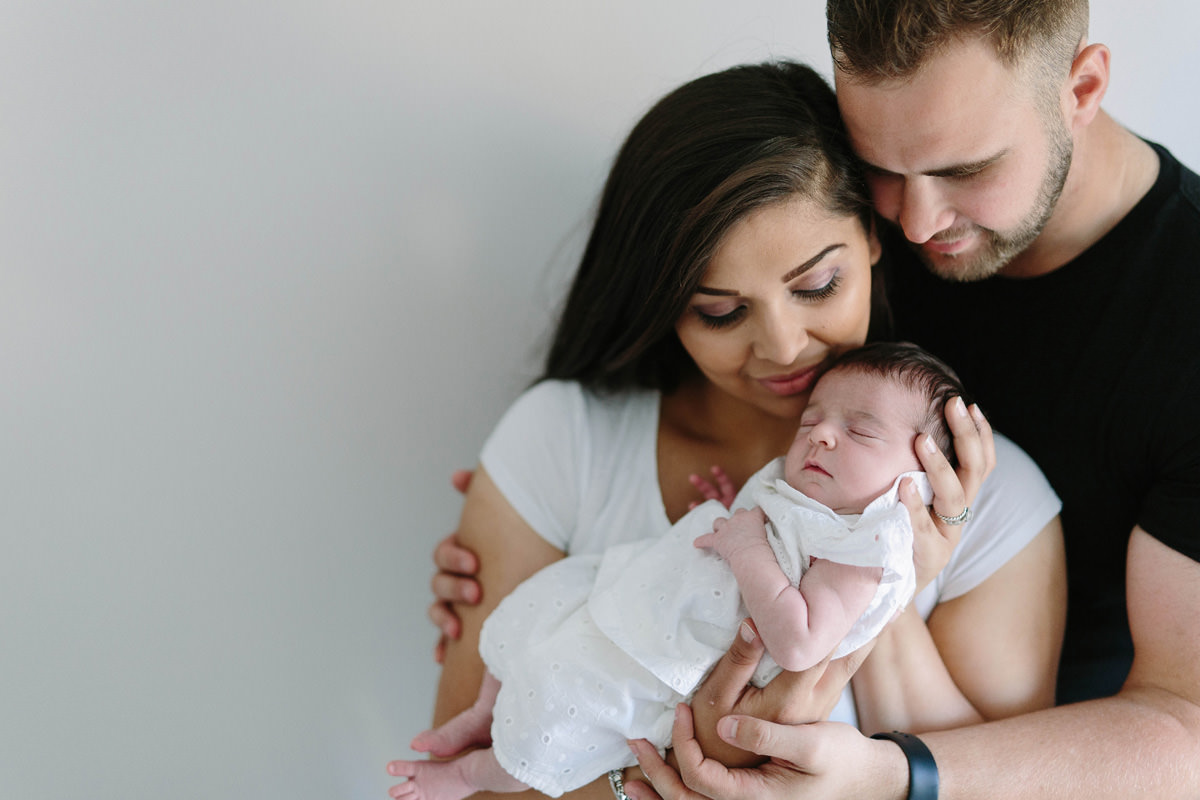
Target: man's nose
point(924, 211)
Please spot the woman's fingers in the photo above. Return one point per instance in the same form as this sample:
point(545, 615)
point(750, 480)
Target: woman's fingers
point(728, 679)
point(797, 697)
point(974, 445)
point(933, 544)
point(949, 497)
point(662, 781)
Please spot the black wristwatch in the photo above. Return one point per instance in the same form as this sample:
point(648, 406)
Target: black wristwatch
point(922, 769)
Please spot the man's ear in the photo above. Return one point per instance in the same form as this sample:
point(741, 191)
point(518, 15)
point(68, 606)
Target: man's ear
point(1086, 85)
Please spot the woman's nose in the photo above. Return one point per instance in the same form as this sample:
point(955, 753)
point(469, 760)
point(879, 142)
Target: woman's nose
point(781, 338)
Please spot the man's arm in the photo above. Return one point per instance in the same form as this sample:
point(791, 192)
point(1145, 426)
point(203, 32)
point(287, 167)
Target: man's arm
point(1142, 742)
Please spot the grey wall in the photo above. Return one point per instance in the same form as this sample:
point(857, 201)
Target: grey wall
point(269, 270)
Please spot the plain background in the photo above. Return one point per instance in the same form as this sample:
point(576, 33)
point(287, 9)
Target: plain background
point(269, 271)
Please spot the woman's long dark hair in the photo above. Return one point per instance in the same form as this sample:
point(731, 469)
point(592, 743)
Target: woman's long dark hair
point(701, 159)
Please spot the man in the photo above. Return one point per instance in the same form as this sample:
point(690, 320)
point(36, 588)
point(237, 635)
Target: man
point(1056, 268)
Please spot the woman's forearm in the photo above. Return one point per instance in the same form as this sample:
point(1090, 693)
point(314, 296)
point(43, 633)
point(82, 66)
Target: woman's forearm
point(509, 551)
point(989, 654)
point(904, 684)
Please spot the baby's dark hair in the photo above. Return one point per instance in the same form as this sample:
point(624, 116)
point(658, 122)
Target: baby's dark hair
point(919, 371)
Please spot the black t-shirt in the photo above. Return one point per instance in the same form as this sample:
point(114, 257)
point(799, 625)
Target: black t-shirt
point(1094, 369)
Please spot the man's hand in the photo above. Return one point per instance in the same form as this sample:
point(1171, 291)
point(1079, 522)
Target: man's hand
point(454, 581)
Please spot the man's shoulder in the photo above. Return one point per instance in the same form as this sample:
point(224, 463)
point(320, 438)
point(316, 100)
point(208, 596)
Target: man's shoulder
point(1189, 187)
point(1187, 184)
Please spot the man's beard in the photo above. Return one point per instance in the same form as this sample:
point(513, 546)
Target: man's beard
point(996, 250)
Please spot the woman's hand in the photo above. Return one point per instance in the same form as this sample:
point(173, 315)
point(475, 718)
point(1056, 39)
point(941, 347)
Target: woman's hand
point(953, 490)
point(790, 698)
point(454, 581)
point(815, 760)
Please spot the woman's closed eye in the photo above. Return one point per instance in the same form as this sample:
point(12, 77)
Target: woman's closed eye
point(718, 319)
point(818, 287)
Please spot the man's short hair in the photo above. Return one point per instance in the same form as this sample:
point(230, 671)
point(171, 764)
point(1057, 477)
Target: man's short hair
point(879, 40)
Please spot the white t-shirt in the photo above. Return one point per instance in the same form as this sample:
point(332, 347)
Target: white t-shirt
point(581, 469)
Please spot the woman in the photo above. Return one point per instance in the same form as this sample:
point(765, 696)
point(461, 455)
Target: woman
point(732, 258)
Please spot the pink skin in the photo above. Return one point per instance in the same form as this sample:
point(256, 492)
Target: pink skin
point(471, 727)
point(452, 780)
point(721, 489)
point(854, 438)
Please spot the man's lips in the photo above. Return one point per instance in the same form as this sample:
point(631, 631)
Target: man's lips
point(950, 247)
point(792, 383)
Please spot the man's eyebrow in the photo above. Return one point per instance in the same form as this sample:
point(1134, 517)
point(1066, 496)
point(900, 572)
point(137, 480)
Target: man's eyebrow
point(963, 170)
point(791, 275)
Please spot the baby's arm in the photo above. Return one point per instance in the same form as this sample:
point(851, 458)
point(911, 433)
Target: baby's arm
point(799, 625)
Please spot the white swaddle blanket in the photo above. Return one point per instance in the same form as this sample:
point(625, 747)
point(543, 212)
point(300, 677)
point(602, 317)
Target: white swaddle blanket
point(595, 650)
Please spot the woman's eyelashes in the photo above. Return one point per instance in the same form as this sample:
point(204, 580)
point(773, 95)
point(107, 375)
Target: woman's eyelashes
point(827, 283)
point(719, 321)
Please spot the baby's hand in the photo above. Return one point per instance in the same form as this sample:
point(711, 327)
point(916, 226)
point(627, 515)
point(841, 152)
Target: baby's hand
point(746, 528)
point(723, 491)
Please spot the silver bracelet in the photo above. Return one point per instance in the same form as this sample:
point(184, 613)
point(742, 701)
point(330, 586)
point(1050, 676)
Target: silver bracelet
point(616, 779)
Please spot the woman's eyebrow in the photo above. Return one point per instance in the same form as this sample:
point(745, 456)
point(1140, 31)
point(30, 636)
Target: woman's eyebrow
point(800, 270)
point(807, 265)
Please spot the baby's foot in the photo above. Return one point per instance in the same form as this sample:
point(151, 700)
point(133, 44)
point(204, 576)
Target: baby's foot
point(429, 780)
point(471, 727)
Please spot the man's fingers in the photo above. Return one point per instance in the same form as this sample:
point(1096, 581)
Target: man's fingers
point(446, 621)
point(453, 589)
point(790, 743)
point(439, 651)
point(449, 556)
point(460, 479)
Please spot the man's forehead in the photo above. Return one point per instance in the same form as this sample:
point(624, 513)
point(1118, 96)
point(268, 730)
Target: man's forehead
point(929, 124)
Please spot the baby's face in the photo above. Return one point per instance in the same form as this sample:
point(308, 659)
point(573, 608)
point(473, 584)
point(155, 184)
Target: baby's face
point(856, 436)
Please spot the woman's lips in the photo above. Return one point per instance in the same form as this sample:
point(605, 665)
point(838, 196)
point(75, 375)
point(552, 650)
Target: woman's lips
point(793, 383)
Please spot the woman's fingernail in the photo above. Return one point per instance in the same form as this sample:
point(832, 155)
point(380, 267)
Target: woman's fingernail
point(959, 407)
point(747, 632)
point(930, 445)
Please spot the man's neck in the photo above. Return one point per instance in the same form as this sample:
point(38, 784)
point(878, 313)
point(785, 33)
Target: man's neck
point(1111, 170)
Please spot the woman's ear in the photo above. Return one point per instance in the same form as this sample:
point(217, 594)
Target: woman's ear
point(873, 243)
